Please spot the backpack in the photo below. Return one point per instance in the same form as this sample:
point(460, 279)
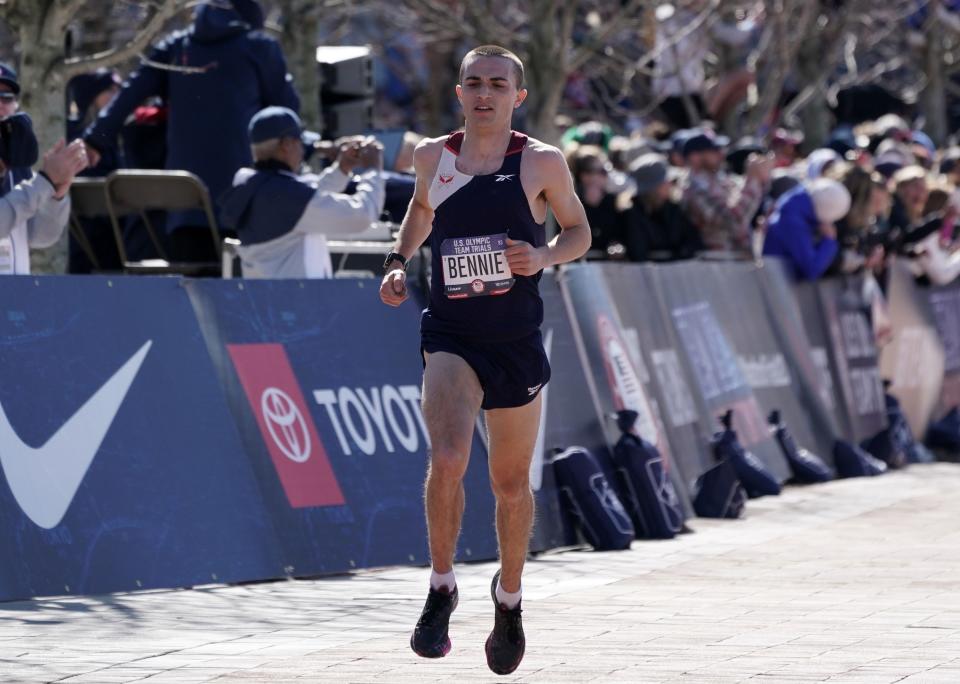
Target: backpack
point(852, 461)
point(807, 467)
point(587, 495)
point(652, 501)
point(752, 473)
point(945, 433)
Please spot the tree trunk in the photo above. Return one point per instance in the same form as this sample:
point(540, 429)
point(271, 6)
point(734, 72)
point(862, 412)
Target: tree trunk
point(301, 26)
point(546, 68)
point(42, 97)
point(815, 116)
point(934, 96)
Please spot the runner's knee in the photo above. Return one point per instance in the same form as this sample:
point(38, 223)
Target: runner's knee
point(510, 487)
point(448, 465)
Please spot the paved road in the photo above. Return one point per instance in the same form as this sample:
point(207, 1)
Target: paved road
point(852, 581)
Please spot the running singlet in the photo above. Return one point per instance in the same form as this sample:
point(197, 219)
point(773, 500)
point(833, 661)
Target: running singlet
point(472, 291)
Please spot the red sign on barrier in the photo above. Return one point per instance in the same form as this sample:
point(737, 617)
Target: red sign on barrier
point(285, 423)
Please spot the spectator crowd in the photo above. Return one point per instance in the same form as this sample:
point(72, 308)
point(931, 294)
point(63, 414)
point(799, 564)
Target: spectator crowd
point(874, 192)
point(215, 99)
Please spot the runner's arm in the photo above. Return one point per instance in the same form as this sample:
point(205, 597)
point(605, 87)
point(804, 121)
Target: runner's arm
point(418, 221)
point(573, 240)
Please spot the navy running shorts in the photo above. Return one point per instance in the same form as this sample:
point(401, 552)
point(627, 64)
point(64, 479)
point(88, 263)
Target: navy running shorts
point(511, 373)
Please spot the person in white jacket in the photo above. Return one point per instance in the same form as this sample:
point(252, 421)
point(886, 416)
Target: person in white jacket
point(283, 219)
point(34, 211)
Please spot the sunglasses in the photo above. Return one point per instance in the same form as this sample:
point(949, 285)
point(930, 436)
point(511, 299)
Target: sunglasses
point(8, 97)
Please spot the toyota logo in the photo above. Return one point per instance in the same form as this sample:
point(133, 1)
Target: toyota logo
point(286, 424)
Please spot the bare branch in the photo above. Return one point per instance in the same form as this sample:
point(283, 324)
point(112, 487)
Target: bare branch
point(441, 16)
point(612, 25)
point(76, 65)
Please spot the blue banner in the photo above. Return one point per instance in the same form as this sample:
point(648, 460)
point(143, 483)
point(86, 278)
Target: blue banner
point(121, 466)
point(324, 382)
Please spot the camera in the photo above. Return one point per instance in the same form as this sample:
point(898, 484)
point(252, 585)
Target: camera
point(18, 143)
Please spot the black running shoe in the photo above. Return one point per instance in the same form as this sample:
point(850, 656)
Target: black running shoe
point(429, 638)
point(506, 642)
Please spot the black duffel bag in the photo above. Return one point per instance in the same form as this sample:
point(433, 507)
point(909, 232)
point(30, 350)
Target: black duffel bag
point(649, 495)
point(893, 444)
point(944, 434)
point(807, 467)
point(752, 473)
point(852, 461)
point(587, 495)
point(719, 493)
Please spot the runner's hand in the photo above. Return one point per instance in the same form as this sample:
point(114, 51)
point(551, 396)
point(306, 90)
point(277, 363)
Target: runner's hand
point(523, 258)
point(393, 289)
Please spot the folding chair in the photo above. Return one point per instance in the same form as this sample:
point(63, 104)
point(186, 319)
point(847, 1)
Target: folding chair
point(137, 191)
point(88, 199)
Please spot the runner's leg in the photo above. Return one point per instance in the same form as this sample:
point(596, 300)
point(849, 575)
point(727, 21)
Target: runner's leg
point(512, 437)
point(451, 402)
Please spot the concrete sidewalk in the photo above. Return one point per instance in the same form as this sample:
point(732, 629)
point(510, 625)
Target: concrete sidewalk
point(852, 581)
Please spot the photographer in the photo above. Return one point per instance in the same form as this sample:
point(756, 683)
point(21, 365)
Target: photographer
point(802, 229)
point(34, 209)
point(283, 219)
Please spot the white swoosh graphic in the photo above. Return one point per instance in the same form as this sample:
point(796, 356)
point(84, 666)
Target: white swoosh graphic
point(45, 480)
point(536, 465)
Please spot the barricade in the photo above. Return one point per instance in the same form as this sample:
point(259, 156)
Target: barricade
point(618, 373)
point(569, 417)
point(122, 467)
point(837, 325)
point(945, 306)
point(324, 382)
point(914, 360)
point(220, 431)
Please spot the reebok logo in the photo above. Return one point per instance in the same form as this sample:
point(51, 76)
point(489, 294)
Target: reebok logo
point(501, 177)
point(45, 480)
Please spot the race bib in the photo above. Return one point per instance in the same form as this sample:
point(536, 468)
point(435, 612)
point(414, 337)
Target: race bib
point(475, 266)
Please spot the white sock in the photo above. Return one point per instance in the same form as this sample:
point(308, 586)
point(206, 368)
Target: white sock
point(510, 600)
point(445, 579)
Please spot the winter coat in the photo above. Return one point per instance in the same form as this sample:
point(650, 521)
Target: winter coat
point(666, 234)
point(283, 220)
point(792, 234)
point(228, 73)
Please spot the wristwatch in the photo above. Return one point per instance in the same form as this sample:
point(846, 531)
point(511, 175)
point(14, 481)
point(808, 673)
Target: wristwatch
point(395, 256)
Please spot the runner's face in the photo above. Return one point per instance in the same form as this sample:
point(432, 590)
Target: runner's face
point(489, 92)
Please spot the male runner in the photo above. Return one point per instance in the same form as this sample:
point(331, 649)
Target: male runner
point(481, 196)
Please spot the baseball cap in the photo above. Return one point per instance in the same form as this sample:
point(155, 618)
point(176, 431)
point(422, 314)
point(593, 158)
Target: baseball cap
point(950, 160)
point(278, 122)
point(649, 171)
point(9, 76)
point(674, 144)
point(702, 140)
point(737, 156)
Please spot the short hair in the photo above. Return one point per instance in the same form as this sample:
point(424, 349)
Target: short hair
point(495, 51)
point(262, 151)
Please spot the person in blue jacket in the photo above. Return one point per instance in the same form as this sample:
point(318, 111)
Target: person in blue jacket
point(802, 229)
point(214, 76)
